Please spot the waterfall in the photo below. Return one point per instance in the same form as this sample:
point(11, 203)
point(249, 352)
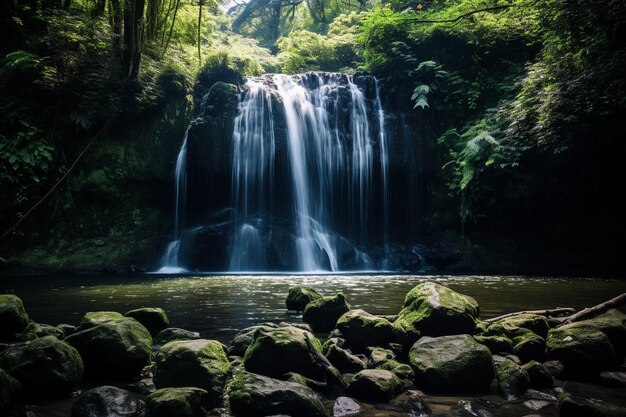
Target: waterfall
point(171, 262)
point(327, 171)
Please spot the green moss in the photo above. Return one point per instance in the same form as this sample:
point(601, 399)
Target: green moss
point(96, 318)
point(298, 297)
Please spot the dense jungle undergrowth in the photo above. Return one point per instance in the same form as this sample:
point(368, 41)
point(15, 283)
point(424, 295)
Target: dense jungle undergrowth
point(516, 110)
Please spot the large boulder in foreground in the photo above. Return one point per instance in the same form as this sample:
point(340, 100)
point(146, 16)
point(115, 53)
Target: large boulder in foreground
point(153, 318)
point(431, 309)
point(13, 317)
point(107, 401)
point(276, 352)
point(572, 405)
point(583, 349)
point(45, 367)
point(9, 387)
point(374, 385)
point(198, 363)
point(252, 395)
point(178, 402)
point(362, 329)
point(115, 350)
point(299, 297)
point(451, 364)
point(323, 313)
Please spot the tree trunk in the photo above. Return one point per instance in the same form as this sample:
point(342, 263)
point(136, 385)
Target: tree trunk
point(169, 36)
point(99, 8)
point(199, 28)
point(152, 17)
point(133, 38)
point(116, 16)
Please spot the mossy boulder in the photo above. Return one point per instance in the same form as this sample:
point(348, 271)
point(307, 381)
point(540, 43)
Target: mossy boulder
point(244, 338)
point(362, 329)
point(583, 349)
point(115, 350)
point(374, 385)
point(108, 401)
point(298, 297)
point(37, 330)
point(529, 346)
point(572, 405)
point(198, 363)
point(46, 367)
point(533, 322)
point(9, 388)
point(322, 314)
point(252, 395)
point(276, 352)
point(153, 318)
point(343, 360)
point(613, 325)
point(178, 402)
point(540, 376)
point(451, 363)
point(96, 318)
point(496, 344)
point(378, 356)
point(173, 333)
point(13, 317)
point(402, 370)
point(513, 380)
point(431, 309)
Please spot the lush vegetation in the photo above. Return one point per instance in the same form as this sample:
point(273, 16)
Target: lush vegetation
point(519, 103)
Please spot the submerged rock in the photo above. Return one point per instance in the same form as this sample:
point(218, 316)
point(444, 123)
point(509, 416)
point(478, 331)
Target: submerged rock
point(252, 395)
point(362, 329)
point(178, 402)
point(107, 401)
point(193, 363)
point(322, 314)
point(451, 363)
point(374, 385)
point(36, 330)
point(115, 350)
point(153, 318)
point(9, 388)
point(513, 380)
point(276, 352)
point(299, 297)
point(46, 367)
point(173, 333)
point(13, 317)
point(571, 405)
point(431, 309)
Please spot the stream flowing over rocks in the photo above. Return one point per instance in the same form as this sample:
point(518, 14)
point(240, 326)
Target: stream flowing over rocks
point(435, 357)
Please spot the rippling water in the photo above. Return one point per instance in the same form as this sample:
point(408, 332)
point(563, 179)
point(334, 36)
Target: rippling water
point(217, 306)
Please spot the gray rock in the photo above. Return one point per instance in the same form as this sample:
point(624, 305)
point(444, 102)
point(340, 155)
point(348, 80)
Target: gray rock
point(343, 360)
point(536, 405)
point(572, 405)
point(107, 401)
point(345, 406)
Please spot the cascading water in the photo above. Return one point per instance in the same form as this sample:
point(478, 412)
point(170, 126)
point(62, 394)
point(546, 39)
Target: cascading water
point(328, 160)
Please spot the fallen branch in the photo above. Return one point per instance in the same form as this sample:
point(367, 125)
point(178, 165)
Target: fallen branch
point(332, 374)
point(596, 310)
point(559, 311)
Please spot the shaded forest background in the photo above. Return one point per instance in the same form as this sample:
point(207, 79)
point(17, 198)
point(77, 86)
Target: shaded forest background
point(517, 108)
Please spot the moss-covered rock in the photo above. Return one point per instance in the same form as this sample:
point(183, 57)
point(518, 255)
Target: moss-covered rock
point(197, 363)
point(178, 402)
point(533, 322)
point(278, 351)
point(318, 386)
point(115, 350)
point(513, 380)
point(374, 385)
point(496, 344)
point(583, 349)
point(37, 330)
point(402, 370)
point(153, 318)
point(244, 338)
point(252, 395)
point(572, 405)
point(431, 309)
point(529, 346)
point(46, 367)
point(451, 363)
point(96, 318)
point(540, 376)
point(343, 360)
point(13, 317)
point(378, 356)
point(322, 314)
point(108, 401)
point(9, 388)
point(362, 329)
point(173, 333)
point(613, 325)
point(298, 297)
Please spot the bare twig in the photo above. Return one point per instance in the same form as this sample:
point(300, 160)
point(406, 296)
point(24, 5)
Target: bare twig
point(596, 310)
point(559, 311)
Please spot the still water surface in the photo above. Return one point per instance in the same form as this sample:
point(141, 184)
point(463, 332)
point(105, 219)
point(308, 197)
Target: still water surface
point(218, 306)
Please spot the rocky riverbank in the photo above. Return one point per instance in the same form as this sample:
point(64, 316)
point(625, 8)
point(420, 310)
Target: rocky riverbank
point(435, 357)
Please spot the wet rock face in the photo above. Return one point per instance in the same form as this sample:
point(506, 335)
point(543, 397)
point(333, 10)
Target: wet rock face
point(252, 395)
point(322, 314)
point(13, 317)
point(113, 351)
point(178, 402)
point(153, 319)
point(46, 367)
point(108, 401)
point(451, 363)
point(199, 363)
